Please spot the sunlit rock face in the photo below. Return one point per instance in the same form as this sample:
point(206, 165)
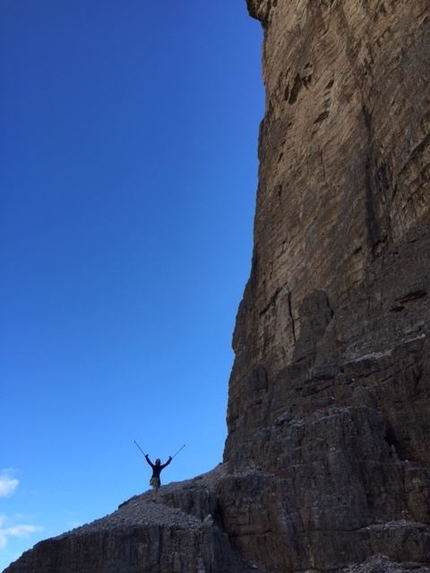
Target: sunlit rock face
point(327, 460)
point(329, 398)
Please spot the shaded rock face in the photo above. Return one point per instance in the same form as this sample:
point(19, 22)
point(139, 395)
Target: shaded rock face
point(326, 464)
point(179, 533)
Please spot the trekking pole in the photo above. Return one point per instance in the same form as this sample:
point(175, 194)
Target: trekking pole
point(178, 451)
point(139, 447)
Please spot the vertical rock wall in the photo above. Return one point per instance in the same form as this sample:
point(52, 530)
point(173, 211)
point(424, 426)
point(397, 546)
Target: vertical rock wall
point(329, 397)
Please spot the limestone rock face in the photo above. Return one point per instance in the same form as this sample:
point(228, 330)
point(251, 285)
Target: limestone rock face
point(327, 460)
point(329, 397)
point(179, 533)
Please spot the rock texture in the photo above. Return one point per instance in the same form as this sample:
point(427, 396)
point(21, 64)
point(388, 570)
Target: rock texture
point(326, 464)
point(329, 397)
point(178, 533)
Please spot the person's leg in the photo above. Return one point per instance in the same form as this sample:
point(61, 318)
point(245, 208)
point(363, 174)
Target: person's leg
point(155, 490)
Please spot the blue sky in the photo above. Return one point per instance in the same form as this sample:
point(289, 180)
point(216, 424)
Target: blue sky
point(128, 138)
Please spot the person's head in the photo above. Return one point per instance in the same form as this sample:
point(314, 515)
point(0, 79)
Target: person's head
point(157, 462)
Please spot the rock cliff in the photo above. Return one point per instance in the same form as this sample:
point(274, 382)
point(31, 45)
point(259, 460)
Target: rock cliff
point(326, 463)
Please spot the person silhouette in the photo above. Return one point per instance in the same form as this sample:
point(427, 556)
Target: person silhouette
point(157, 468)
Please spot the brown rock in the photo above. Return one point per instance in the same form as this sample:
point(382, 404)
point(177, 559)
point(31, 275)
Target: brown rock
point(336, 310)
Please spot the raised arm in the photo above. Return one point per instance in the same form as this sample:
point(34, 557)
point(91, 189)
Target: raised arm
point(167, 463)
point(149, 461)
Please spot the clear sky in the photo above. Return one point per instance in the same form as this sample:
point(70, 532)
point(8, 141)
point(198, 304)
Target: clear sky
point(128, 171)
